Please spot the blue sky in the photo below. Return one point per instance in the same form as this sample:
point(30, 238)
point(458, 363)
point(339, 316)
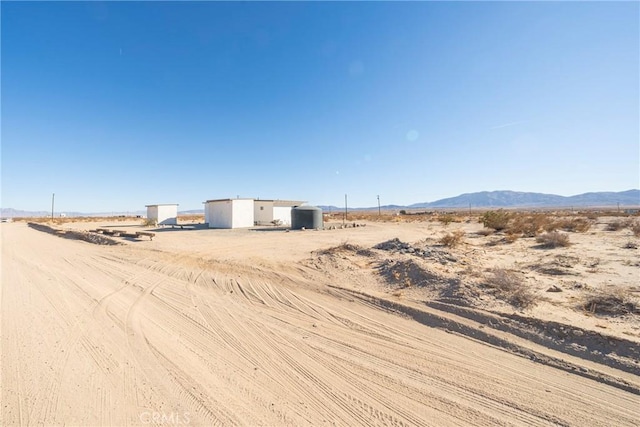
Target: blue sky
point(120, 104)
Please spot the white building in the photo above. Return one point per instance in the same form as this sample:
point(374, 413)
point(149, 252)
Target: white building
point(229, 213)
point(166, 214)
point(274, 212)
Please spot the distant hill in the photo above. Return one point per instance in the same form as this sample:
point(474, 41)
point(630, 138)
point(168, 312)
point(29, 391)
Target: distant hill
point(13, 213)
point(625, 198)
point(16, 213)
point(521, 199)
point(512, 199)
point(331, 208)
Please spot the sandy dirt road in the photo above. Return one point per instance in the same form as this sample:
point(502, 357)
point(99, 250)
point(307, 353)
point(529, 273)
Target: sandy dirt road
point(142, 335)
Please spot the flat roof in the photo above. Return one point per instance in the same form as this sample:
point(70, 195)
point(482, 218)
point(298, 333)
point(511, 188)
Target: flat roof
point(280, 201)
point(161, 204)
point(227, 200)
point(275, 202)
point(288, 202)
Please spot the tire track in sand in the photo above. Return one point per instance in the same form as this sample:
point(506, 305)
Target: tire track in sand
point(167, 378)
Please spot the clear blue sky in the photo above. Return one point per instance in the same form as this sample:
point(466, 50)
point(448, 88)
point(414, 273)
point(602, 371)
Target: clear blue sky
point(116, 105)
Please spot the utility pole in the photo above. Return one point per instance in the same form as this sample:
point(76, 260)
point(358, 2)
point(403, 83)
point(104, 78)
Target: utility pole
point(53, 198)
point(345, 210)
point(379, 205)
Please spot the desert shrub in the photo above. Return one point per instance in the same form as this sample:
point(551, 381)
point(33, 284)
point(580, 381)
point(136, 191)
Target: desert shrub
point(497, 220)
point(629, 223)
point(510, 287)
point(575, 225)
point(581, 225)
point(529, 225)
point(452, 239)
point(504, 279)
point(147, 222)
point(614, 225)
point(551, 226)
point(614, 303)
point(630, 245)
point(445, 219)
point(553, 239)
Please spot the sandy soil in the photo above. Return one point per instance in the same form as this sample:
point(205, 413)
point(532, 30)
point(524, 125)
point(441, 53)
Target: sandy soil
point(260, 327)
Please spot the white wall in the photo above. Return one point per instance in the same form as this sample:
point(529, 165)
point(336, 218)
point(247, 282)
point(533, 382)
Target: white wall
point(263, 212)
point(152, 213)
point(167, 214)
point(163, 214)
point(242, 213)
point(236, 213)
point(220, 214)
point(283, 213)
point(267, 211)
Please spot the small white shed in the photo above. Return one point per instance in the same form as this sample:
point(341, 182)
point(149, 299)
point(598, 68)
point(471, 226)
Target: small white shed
point(265, 212)
point(164, 214)
point(229, 213)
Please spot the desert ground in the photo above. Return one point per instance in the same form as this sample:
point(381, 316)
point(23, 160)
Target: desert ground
point(383, 322)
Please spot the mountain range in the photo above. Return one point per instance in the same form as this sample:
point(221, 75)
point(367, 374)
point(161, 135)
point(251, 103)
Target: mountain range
point(483, 199)
point(513, 199)
point(521, 199)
